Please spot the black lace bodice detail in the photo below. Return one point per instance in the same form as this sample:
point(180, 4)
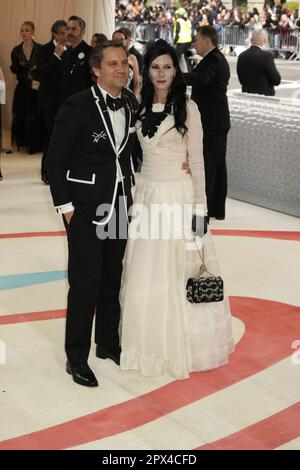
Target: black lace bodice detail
point(152, 120)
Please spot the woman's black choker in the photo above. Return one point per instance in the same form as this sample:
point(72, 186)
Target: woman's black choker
point(151, 121)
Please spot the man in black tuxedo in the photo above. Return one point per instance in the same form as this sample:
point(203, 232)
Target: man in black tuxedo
point(76, 69)
point(256, 68)
point(209, 82)
point(90, 172)
point(49, 69)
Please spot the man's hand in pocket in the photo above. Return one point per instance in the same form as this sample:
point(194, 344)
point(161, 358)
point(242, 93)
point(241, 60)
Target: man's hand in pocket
point(68, 216)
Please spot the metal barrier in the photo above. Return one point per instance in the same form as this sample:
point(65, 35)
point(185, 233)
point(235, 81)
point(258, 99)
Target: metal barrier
point(284, 41)
point(148, 32)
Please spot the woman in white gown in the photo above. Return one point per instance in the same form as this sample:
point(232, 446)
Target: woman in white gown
point(161, 332)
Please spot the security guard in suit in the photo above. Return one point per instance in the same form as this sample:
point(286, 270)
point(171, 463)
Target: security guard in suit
point(209, 81)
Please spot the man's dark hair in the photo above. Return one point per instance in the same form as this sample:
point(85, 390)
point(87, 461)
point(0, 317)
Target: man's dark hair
point(209, 32)
point(119, 31)
point(57, 25)
point(81, 22)
point(126, 32)
point(97, 53)
point(99, 37)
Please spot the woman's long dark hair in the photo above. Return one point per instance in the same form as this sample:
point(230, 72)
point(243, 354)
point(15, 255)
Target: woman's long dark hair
point(177, 93)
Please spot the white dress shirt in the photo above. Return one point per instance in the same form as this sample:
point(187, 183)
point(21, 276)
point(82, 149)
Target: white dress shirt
point(118, 120)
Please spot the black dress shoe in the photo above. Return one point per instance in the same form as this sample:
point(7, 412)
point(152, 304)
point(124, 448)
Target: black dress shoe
point(44, 178)
point(220, 218)
point(105, 354)
point(45, 181)
point(82, 374)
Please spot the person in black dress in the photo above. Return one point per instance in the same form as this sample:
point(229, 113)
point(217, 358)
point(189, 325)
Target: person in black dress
point(133, 50)
point(134, 75)
point(27, 128)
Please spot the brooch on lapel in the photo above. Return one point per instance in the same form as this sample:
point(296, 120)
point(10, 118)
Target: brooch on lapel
point(97, 137)
point(80, 58)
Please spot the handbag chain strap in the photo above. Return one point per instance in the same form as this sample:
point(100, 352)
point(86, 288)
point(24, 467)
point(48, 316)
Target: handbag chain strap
point(203, 268)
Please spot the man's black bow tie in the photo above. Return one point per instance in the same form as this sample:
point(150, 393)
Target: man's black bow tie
point(115, 103)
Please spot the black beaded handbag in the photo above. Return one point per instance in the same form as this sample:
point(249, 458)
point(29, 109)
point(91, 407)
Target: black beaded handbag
point(204, 288)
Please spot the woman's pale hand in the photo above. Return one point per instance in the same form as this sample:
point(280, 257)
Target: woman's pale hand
point(199, 225)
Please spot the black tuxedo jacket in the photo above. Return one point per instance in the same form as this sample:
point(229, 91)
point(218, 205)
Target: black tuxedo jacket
point(209, 82)
point(76, 72)
point(257, 71)
point(49, 69)
point(82, 160)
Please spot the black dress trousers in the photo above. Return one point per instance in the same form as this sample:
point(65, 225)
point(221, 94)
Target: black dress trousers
point(94, 274)
point(214, 152)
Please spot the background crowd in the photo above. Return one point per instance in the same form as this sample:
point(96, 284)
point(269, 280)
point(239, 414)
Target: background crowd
point(274, 15)
point(48, 74)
